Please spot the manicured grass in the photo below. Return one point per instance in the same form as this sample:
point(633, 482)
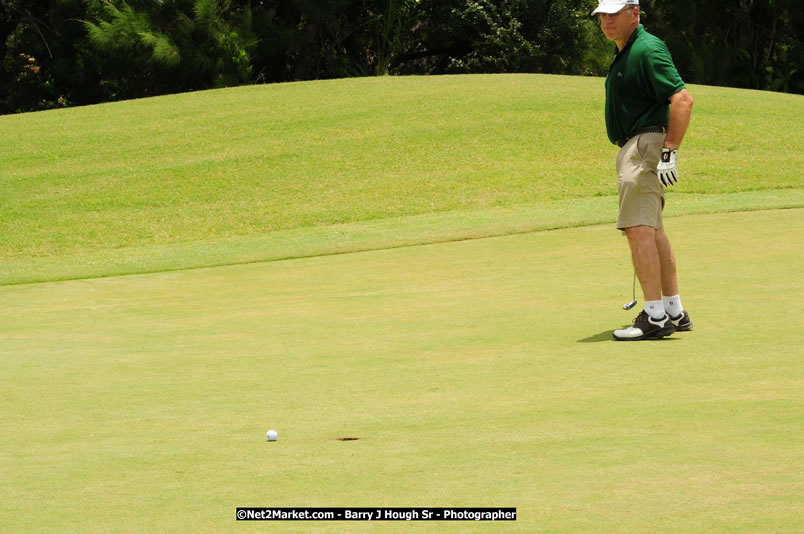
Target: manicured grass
point(80, 185)
point(369, 235)
point(475, 373)
point(468, 345)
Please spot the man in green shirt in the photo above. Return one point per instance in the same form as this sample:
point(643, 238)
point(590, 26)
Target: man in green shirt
point(648, 111)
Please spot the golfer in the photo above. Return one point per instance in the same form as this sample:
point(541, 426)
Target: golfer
point(648, 110)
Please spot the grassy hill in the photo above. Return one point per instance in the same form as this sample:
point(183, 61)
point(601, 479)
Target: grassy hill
point(264, 172)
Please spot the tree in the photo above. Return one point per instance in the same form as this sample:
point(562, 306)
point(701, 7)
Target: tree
point(41, 46)
point(309, 39)
point(67, 52)
point(495, 36)
point(756, 44)
point(172, 46)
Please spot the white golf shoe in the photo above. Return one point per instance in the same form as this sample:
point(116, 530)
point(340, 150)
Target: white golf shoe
point(646, 327)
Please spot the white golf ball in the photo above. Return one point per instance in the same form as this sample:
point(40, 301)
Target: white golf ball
point(271, 435)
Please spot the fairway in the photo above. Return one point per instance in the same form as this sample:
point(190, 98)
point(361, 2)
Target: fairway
point(474, 373)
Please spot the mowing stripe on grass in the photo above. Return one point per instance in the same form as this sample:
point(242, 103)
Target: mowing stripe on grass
point(369, 235)
point(254, 173)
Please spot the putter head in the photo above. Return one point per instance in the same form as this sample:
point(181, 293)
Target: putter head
point(629, 305)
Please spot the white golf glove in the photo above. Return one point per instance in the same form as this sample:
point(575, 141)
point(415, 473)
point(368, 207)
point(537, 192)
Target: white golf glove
point(668, 171)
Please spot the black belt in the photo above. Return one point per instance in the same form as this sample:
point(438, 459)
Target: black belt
point(649, 129)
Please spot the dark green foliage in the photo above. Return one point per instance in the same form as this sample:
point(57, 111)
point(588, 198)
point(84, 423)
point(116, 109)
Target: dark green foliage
point(45, 58)
point(193, 45)
point(757, 44)
point(68, 52)
point(459, 36)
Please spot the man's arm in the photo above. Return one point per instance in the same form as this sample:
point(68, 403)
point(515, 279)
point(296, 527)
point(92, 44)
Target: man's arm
point(680, 112)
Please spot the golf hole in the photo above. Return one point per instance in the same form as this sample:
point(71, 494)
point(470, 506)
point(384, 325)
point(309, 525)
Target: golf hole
point(348, 439)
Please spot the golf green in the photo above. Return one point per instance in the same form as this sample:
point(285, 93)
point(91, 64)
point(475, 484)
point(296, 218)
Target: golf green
point(474, 373)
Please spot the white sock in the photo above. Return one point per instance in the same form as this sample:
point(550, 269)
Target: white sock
point(654, 308)
point(673, 305)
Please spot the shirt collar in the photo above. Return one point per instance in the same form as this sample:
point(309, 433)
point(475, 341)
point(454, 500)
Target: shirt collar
point(640, 29)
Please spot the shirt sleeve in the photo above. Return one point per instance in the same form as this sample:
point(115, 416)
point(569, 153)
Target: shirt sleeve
point(665, 81)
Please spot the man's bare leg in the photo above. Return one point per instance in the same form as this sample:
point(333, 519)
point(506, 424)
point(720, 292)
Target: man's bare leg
point(667, 261)
point(647, 260)
point(653, 322)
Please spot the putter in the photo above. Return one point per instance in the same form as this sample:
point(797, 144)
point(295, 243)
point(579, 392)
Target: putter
point(629, 305)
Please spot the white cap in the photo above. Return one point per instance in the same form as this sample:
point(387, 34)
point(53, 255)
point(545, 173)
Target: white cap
point(613, 6)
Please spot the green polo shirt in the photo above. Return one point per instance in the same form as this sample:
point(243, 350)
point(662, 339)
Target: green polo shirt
point(641, 79)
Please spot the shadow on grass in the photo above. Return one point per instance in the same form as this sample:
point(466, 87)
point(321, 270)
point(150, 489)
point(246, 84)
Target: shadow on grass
point(608, 335)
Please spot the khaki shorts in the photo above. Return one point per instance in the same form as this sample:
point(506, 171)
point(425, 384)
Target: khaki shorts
point(641, 192)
